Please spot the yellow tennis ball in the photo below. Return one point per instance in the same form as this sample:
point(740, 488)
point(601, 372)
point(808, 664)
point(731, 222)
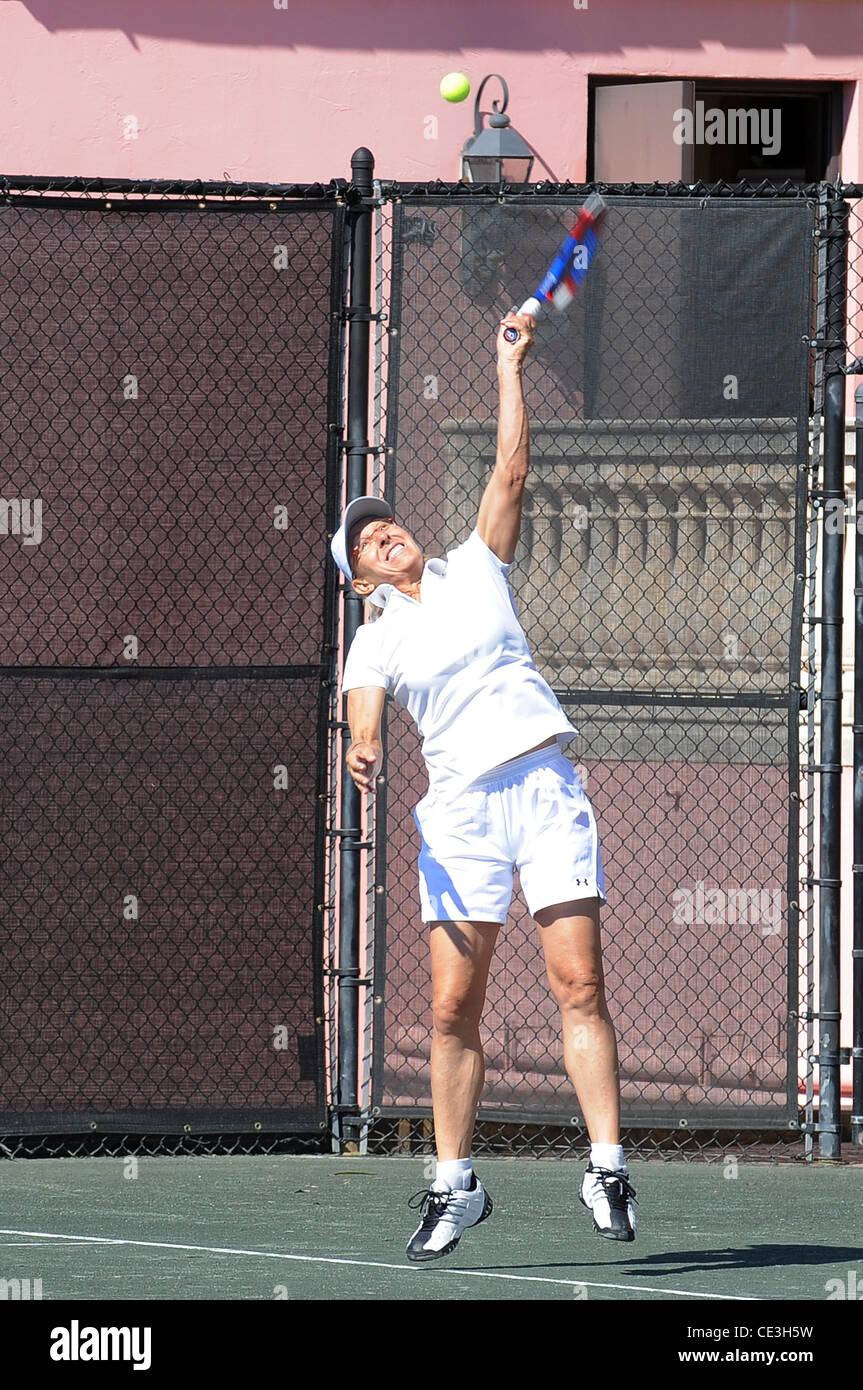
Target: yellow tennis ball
point(454, 87)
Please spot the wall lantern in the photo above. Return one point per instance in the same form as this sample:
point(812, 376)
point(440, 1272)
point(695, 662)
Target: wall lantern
point(495, 153)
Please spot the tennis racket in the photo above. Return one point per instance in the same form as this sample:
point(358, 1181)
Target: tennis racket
point(570, 266)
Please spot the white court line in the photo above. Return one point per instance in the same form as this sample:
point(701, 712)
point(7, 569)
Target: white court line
point(377, 1264)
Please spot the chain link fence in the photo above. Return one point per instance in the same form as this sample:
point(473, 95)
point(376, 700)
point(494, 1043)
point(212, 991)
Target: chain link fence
point(660, 583)
point(172, 396)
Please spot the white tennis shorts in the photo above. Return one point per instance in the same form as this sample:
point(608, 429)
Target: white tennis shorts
point(531, 814)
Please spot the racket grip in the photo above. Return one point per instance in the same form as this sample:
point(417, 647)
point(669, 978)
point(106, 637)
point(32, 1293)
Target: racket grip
point(530, 306)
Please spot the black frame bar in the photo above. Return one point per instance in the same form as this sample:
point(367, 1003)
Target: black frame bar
point(857, 957)
point(459, 192)
point(828, 1126)
point(347, 1119)
point(15, 185)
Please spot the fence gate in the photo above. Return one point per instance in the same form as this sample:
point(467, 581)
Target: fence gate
point(169, 363)
point(660, 583)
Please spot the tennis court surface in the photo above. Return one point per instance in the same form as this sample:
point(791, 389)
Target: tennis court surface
point(325, 1228)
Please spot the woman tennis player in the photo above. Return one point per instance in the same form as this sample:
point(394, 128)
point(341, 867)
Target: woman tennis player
point(448, 646)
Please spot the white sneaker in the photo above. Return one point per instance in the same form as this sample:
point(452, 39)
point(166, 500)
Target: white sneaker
point(446, 1212)
point(609, 1194)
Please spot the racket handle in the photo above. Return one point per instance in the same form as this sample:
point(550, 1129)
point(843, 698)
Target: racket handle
point(530, 306)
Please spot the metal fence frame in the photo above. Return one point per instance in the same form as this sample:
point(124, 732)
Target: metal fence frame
point(410, 1130)
point(54, 1134)
point(347, 981)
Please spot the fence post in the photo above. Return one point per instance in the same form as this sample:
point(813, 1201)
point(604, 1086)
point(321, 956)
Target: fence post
point(833, 545)
point(357, 447)
point(857, 978)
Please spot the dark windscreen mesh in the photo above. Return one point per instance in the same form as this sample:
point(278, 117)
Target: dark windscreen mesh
point(655, 581)
point(158, 903)
point(164, 378)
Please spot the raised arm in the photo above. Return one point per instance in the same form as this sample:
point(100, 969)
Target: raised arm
point(365, 756)
point(499, 519)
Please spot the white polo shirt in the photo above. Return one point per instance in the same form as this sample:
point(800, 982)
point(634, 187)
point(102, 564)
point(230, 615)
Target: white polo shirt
point(460, 665)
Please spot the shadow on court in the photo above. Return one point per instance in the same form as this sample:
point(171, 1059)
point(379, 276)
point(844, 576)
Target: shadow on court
point(325, 1228)
point(678, 1262)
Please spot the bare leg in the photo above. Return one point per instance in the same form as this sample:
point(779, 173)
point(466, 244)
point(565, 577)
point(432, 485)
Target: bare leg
point(460, 957)
point(573, 957)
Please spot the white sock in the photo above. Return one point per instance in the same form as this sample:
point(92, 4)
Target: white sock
point(607, 1156)
point(455, 1172)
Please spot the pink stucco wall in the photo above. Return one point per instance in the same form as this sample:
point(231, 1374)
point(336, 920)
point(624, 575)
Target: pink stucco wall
point(239, 87)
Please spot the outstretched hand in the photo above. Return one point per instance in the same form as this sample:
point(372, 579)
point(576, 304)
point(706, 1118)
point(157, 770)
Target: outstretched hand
point(513, 354)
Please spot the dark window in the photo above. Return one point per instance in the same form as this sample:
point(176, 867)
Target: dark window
point(697, 130)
